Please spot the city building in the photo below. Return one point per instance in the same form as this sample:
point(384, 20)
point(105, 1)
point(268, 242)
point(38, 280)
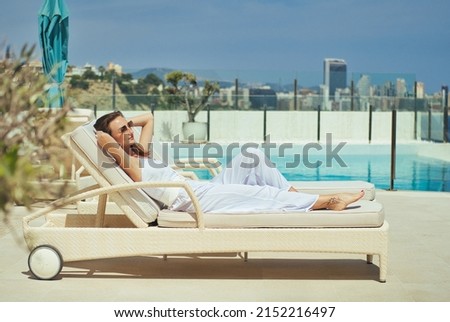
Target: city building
point(400, 88)
point(420, 90)
point(364, 86)
point(74, 70)
point(228, 97)
point(263, 98)
point(115, 67)
point(334, 75)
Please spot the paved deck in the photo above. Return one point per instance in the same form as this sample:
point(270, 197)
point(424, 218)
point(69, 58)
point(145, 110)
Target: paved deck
point(418, 269)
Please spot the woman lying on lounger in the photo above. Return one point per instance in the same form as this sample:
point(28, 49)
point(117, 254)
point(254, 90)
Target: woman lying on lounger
point(238, 188)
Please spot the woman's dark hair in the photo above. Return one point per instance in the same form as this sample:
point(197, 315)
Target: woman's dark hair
point(102, 123)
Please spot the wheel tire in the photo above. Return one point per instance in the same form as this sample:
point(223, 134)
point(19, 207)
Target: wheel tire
point(45, 262)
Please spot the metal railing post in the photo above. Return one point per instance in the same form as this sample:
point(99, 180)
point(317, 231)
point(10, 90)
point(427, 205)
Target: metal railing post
point(295, 95)
point(429, 123)
point(445, 116)
point(352, 95)
point(265, 123)
point(415, 110)
point(318, 123)
point(370, 122)
point(208, 121)
point(393, 147)
point(236, 91)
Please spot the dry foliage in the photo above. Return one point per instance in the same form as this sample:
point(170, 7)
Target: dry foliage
point(29, 133)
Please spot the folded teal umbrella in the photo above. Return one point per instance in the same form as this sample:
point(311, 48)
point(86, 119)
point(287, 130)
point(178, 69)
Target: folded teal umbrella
point(54, 39)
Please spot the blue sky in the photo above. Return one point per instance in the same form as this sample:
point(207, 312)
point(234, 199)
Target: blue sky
point(242, 36)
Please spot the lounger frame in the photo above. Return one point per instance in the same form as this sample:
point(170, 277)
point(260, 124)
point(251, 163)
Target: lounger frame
point(76, 235)
point(84, 237)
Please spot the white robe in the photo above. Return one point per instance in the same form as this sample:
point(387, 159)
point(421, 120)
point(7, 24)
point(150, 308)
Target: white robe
point(249, 183)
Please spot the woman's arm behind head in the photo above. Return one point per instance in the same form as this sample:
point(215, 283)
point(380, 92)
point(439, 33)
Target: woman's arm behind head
point(147, 123)
point(129, 164)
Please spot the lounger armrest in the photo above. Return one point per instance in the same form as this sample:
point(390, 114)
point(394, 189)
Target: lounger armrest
point(116, 188)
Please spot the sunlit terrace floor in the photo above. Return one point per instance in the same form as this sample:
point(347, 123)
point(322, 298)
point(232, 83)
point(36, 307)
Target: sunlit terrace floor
point(418, 270)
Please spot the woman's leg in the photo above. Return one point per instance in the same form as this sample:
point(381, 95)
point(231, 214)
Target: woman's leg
point(238, 198)
point(252, 168)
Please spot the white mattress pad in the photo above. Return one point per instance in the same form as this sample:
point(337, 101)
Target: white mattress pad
point(363, 213)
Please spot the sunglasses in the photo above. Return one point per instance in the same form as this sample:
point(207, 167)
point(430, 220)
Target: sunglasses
point(126, 127)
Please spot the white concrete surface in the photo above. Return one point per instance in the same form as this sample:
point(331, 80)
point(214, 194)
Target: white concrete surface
point(418, 270)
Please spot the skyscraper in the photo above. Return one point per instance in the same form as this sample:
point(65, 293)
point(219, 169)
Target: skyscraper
point(420, 90)
point(363, 86)
point(334, 74)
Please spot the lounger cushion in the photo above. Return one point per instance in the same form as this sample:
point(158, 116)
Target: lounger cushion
point(85, 142)
point(364, 213)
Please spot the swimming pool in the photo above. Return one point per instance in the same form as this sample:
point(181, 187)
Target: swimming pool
point(366, 162)
point(412, 172)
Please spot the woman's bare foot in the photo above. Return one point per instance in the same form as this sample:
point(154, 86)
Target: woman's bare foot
point(340, 201)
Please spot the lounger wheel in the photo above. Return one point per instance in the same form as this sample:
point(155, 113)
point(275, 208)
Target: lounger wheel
point(45, 262)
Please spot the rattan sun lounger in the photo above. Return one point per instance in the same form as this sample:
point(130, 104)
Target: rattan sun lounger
point(144, 228)
point(187, 167)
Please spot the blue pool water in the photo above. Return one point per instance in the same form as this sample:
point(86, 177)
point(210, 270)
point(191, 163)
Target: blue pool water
point(370, 163)
point(411, 172)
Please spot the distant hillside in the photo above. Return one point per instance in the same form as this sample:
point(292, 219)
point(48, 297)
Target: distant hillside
point(225, 78)
point(160, 72)
point(201, 75)
point(100, 94)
